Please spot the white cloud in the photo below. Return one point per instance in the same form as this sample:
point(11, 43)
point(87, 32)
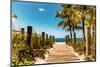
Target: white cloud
point(41, 9)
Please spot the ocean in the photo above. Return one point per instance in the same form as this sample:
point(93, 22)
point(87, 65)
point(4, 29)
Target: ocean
point(59, 39)
point(63, 39)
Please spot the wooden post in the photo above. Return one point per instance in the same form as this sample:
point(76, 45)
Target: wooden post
point(46, 36)
point(53, 39)
point(50, 37)
point(67, 39)
point(29, 36)
point(22, 33)
point(43, 37)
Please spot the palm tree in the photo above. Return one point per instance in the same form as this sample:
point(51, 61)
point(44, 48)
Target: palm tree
point(66, 14)
point(74, 14)
point(75, 27)
point(83, 9)
point(65, 24)
point(69, 25)
point(71, 18)
point(90, 22)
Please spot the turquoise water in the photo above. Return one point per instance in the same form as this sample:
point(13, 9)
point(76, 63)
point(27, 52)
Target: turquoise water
point(60, 40)
point(63, 39)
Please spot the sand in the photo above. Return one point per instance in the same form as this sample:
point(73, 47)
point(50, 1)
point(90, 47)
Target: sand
point(60, 53)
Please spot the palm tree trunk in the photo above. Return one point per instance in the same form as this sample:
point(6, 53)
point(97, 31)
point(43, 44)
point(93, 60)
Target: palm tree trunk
point(83, 27)
point(94, 36)
point(73, 36)
point(88, 41)
point(70, 36)
point(70, 32)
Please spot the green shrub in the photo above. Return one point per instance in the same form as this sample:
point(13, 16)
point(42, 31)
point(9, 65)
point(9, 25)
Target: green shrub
point(23, 54)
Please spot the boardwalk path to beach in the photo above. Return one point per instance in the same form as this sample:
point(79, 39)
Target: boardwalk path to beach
point(60, 53)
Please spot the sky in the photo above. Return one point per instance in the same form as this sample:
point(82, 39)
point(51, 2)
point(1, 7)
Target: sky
point(41, 16)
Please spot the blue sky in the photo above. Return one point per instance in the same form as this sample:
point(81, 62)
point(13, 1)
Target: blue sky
point(41, 16)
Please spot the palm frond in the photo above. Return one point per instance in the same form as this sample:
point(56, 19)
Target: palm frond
point(57, 14)
point(63, 24)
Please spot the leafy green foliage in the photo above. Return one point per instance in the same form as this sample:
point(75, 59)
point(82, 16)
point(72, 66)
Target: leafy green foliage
point(24, 54)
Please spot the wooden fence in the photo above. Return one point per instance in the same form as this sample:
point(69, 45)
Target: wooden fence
point(44, 36)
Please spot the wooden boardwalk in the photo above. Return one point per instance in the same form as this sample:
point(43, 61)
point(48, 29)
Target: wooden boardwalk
point(61, 53)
